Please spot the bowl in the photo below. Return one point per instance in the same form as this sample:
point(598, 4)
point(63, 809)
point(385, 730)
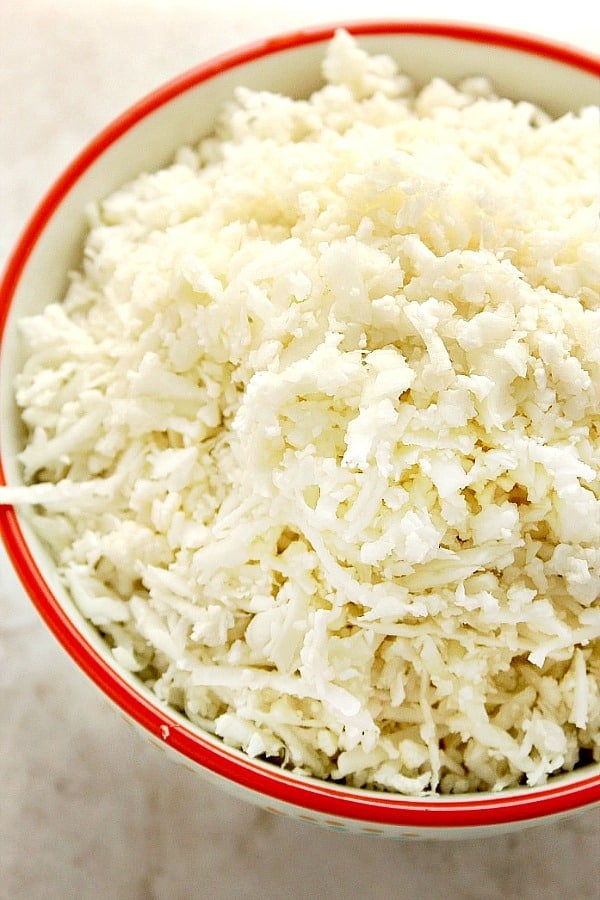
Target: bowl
point(144, 138)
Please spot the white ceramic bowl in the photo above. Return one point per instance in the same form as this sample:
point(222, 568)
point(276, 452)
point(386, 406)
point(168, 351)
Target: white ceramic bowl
point(145, 137)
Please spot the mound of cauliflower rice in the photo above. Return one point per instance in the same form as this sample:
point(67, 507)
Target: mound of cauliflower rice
point(314, 435)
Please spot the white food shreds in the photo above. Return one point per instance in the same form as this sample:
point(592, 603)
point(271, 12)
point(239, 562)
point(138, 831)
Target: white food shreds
point(314, 435)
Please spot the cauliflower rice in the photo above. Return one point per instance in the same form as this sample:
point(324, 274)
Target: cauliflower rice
point(314, 435)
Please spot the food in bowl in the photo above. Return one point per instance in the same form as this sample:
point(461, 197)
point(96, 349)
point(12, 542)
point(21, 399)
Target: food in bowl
point(313, 435)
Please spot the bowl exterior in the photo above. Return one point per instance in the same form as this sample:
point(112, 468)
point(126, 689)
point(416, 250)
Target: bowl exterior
point(145, 137)
point(404, 827)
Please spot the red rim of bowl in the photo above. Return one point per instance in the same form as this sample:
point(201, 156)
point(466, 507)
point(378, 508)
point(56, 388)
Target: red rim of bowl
point(311, 795)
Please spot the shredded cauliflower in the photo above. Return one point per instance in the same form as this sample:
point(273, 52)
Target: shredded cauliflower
point(314, 434)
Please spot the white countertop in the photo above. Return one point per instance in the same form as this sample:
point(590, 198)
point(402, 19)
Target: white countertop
point(88, 809)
